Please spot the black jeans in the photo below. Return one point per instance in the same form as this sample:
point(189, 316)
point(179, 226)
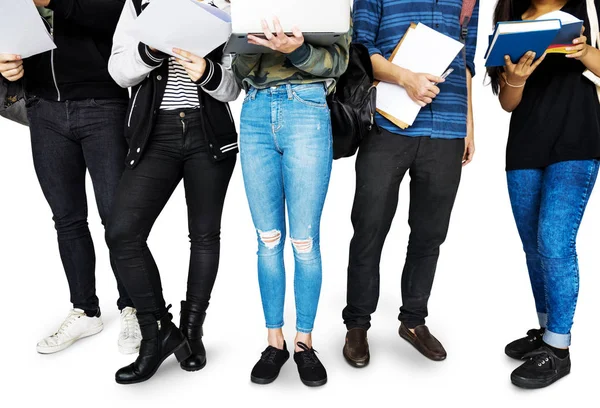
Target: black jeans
point(435, 167)
point(177, 150)
point(68, 139)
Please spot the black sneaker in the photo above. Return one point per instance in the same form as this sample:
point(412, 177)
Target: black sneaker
point(519, 348)
point(542, 369)
point(267, 369)
point(312, 373)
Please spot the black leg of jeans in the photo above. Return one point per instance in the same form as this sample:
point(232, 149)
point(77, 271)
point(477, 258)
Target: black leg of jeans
point(435, 177)
point(67, 138)
point(177, 150)
point(382, 162)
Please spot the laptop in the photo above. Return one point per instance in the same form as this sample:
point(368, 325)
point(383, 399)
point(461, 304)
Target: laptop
point(322, 22)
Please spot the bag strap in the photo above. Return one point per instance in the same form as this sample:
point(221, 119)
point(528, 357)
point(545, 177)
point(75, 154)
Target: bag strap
point(465, 18)
point(594, 26)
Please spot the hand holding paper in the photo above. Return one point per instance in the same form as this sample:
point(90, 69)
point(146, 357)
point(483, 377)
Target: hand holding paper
point(11, 67)
point(193, 64)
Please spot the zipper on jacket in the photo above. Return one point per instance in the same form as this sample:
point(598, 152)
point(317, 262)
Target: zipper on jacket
point(133, 105)
point(229, 111)
point(51, 27)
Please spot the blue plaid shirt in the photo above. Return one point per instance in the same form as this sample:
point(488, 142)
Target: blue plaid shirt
point(381, 24)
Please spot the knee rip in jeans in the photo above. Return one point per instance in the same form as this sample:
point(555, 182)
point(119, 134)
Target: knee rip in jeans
point(303, 246)
point(271, 239)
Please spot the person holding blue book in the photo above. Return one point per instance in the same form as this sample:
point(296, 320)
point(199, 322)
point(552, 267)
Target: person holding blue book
point(552, 165)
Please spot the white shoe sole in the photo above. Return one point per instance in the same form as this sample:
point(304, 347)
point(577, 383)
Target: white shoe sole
point(61, 347)
point(129, 349)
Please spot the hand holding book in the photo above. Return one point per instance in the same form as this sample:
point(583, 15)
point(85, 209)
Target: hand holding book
point(580, 48)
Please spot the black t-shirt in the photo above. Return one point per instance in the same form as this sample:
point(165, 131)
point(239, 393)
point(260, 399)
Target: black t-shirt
point(558, 118)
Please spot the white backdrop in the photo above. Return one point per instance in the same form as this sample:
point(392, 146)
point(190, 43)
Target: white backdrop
point(481, 298)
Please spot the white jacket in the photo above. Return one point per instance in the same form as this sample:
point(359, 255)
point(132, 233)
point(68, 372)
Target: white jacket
point(128, 68)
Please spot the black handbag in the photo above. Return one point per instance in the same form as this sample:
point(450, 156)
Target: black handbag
point(353, 103)
point(12, 101)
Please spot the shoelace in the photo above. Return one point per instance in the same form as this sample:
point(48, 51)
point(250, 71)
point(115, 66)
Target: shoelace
point(268, 356)
point(539, 357)
point(131, 324)
point(309, 356)
point(71, 318)
point(532, 335)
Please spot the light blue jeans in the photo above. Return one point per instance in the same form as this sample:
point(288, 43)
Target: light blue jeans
point(548, 205)
point(286, 154)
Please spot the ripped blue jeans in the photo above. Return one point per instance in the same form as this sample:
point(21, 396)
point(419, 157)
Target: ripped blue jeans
point(286, 154)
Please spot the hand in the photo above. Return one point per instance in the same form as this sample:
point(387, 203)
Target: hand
point(421, 87)
point(11, 67)
point(517, 74)
point(469, 144)
point(195, 65)
point(280, 42)
point(580, 49)
point(41, 3)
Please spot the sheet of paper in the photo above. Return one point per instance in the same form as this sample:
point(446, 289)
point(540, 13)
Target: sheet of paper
point(424, 50)
point(22, 30)
point(185, 24)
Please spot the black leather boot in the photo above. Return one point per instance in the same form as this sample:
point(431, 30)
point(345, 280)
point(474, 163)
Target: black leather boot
point(192, 319)
point(160, 339)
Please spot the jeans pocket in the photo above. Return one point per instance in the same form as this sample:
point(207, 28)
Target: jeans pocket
point(313, 96)
point(32, 102)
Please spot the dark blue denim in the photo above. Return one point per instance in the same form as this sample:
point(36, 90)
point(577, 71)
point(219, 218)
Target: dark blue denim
point(68, 139)
point(548, 206)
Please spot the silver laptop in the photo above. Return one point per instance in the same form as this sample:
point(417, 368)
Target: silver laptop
point(323, 22)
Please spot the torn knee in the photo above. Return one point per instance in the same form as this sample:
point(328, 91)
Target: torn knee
point(303, 246)
point(271, 239)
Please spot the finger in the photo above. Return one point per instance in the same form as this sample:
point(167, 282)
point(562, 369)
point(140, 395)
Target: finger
point(9, 57)
point(10, 65)
point(187, 65)
point(576, 55)
point(417, 99)
point(435, 79)
point(427, 100)
point(434, 89)
point(508, 63)
point(529, 60)
point(266, 29)
point(186, 54)
point(523, 59)
point(539, 61)
point(13, 72)
point(580, 40)
point(576, 48)
point(278, 28)
point(260, 41)
point(16, 77)
point(297, 33)
point(429, 94)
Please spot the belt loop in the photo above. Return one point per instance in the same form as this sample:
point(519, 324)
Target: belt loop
point(253, 92)
point(290, 92)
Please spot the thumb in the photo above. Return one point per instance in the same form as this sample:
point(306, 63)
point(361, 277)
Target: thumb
point(435, 79)
point(297, 32)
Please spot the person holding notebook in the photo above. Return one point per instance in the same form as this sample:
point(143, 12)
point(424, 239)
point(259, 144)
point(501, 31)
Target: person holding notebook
point(76, 114)
point(552, 165)
point(179, 127)
point(286, 154)
point(433, 151)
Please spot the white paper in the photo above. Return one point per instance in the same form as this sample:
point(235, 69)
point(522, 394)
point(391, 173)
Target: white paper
point(424, 50)
point(185, 24)
point(22, 30)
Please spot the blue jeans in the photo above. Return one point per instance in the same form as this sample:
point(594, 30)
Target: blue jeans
point(548, 205)
point(286, 155)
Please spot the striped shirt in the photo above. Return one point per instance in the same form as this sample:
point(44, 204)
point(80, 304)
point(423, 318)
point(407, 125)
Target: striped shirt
point(381, 24)
point(181, 92)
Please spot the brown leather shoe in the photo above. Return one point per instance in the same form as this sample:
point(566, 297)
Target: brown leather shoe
point(356, 349)
point(424, 341)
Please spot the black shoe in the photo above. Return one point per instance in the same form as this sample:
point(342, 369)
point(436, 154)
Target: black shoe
point(519, 348)
point(267, 369)
point(541, 369)
point(312, 373)
point(190, 324)
point(160, 339)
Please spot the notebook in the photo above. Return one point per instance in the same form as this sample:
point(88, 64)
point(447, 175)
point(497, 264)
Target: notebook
point(570, 30)
point(515, 38)
point(322, 22)
point(421, 50)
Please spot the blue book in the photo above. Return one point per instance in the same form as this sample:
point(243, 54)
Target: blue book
point(515, 38)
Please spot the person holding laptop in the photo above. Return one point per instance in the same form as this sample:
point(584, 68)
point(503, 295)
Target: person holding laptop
point(433, 151)
point(552, 166)
point(179, 127)
point(286, 155)
point(76, 114)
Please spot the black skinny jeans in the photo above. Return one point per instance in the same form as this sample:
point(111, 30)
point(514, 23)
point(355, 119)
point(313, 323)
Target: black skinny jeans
point(177, 150)
point(68, 139)
point(435, 167)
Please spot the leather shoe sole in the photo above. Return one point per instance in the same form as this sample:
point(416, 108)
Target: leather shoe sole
point(357, 363)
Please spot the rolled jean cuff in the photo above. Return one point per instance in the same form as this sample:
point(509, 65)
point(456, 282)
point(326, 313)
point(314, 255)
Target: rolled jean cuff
point(543, 319)
point(305, 331)
point(557, 340)
point(274, 326)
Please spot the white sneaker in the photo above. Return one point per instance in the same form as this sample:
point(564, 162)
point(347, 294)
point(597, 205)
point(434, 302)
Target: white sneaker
point(130, 336)
point(76, 326)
